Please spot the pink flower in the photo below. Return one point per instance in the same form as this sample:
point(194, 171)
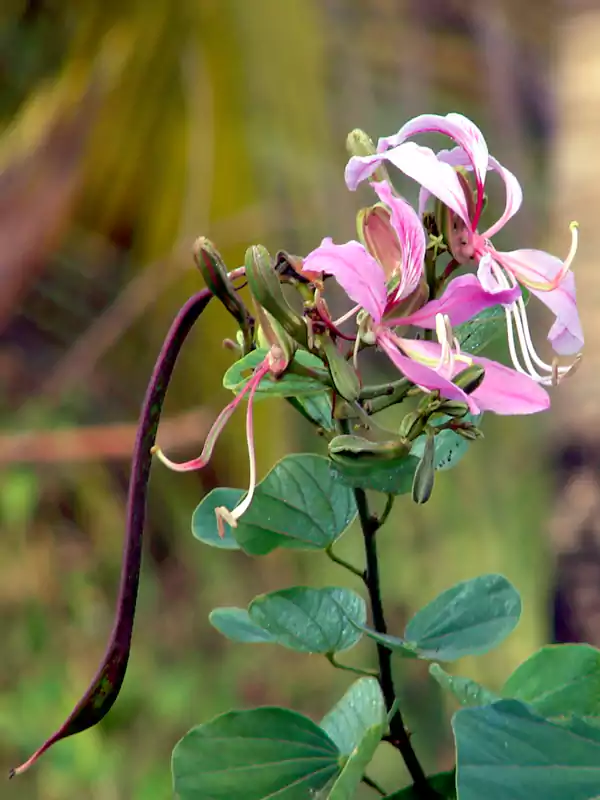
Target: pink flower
point(546, 276)
point(429, 365)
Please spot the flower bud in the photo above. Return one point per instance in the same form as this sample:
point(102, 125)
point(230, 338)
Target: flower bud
point(377, 235)
point(468, 431)
point(342, 372)
point(355, 448)
point(266, 289)
point(359, 143)
point(454, 408)
point(425, 473)
point(412, 426)
point(273, 337)
point(214, 272)
point(470, 378)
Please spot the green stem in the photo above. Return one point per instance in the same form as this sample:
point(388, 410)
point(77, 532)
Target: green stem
point(374, 785)
point(342, 563)
point(356, 670)
point(398, 735)
point(387, 509)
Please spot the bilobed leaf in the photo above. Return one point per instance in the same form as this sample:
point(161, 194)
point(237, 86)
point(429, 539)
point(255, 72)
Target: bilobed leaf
point(288, 385)
point(299, 505)
point(235, 624)
point(204, 521)
point(505, 750)
point(559, 680)
point(310, 620)
point(468, 619)
point(390, 476)
point(356, 724)
point(359, 709)
point(259, 754)
point(466, 691)
point(318, 408)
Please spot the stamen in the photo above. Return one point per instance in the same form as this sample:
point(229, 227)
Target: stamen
point(224, 514)
point(348, 315)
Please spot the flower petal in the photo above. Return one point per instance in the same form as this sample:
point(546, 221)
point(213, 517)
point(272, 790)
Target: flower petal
point(535, 269)
point(464, 297)
point(411, 237)
point(417, 371)
point(357, 272)
point(566, 335)
point(514, 197)
point(359, 168)
point(506, 391)
point(464, 132)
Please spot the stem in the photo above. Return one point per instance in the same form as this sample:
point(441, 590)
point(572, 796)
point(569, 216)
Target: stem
point(387, 509)
point(342, 563)
point(356, 670)
point(374, 785)
point(398, 737)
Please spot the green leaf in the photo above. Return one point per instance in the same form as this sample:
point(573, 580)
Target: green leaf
point(299, 505)
point(359, 709)
point(466, 691)
point(477, 333)
point(318, 408)
point(288, 385)
point(204, 521)
point(254, 755)
point(444, 783)
point(391, 476)
point(559, 680)
point(468, 619)
point(505, 750)
point(356, 724)
point(449, 446)
point(235, 624)
point(310, 620)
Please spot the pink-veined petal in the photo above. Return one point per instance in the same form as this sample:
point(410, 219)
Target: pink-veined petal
point(464, 132)
point(513, 192)
point(418, 371)
point(463, 298)
point(411, 236)
point(356, 271)
point(534, 269)
point(566, 334)
point(514, 197)
point(506, 391)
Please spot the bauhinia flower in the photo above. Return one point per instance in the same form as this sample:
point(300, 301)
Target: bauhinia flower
point(274, 364)
point(443, 175)
point(430, 365)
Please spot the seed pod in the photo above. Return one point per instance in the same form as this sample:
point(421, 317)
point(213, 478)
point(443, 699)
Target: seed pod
point(425, 473)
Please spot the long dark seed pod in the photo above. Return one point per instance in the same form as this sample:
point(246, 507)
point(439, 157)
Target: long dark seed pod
point(105, 687)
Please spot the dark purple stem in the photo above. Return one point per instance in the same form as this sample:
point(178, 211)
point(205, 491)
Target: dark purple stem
point(105, 687)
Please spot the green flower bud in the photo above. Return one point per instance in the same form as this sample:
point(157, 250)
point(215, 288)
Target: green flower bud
point(412, 426)
point(213, 269)
point(346, 449)
point(359, 143)
point(342, 372)
point(470, 378)
point(468, 431)
point(266, 289)
point(425, 473)
point(454, 408)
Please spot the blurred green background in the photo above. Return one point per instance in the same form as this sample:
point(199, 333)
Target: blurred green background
point(126, 130)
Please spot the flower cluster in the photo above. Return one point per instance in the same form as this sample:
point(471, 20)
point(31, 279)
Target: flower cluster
point(419, 272)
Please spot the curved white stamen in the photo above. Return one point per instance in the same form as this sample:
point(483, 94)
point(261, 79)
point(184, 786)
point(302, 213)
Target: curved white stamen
point(348, 315)
point(445, 336)
point(516, 320)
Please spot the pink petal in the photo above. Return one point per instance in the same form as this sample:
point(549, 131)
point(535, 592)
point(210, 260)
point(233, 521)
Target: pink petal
point(514, 197)
point(463, 298)
point(411, 237)
point(457, 127)
point(356, 271)
point(514, 194)
point(566, 335)
point(506, 391)
point(418, 372)
point(359, 168)
point(534, 269)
